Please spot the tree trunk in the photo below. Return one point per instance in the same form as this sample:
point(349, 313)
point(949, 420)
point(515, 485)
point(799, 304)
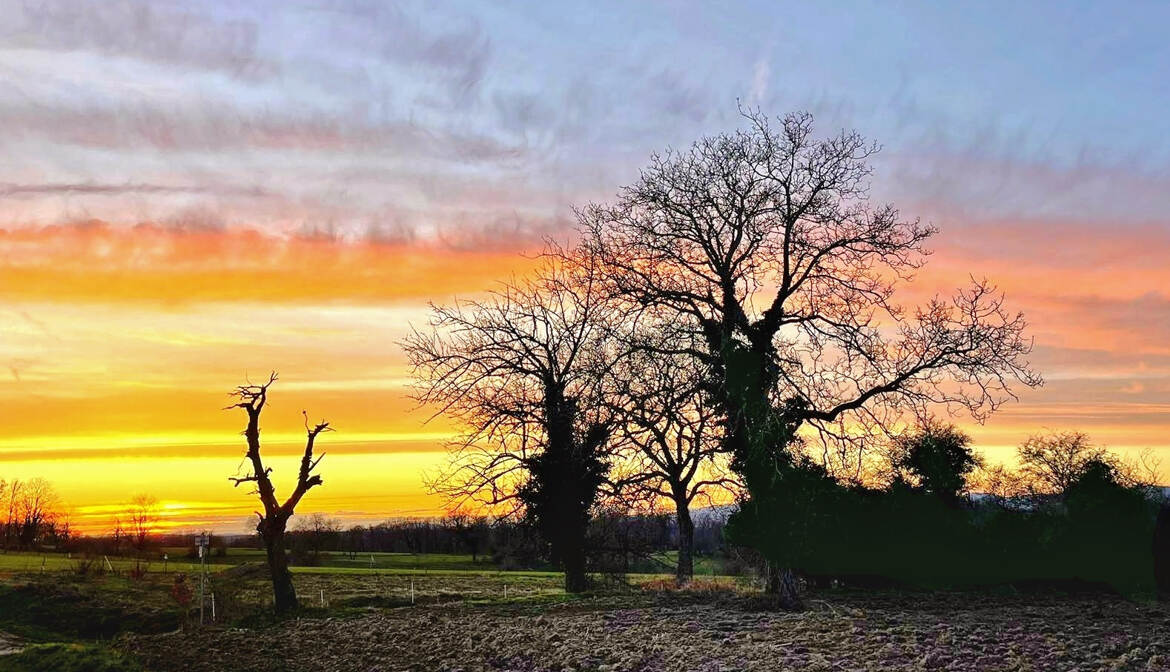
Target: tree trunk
point(1162, 552)
point(686, 541)
point(283, 593)
point(781, 583)
point(576, 581)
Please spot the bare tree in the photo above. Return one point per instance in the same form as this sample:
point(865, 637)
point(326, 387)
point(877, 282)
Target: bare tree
point(34, 508)
point(470, 530)
point(273, 521)
point(672, 431)
point(1005, 486)
point(320, 532)
point(764, 244)
point(1050, 463)
point(10, 493)
point(522, 370)
point(118, 534)
point(142, 516)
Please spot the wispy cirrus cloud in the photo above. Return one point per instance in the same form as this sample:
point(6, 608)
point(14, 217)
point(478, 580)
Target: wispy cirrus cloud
point(94, 188)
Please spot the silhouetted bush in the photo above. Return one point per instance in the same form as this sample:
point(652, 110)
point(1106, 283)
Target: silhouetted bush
point(1098, 532)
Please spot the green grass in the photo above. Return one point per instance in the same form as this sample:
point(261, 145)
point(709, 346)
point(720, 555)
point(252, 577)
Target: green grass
point(47, 608)
point(32, 562)
point(67, 658)
point(422, 562)
point(331, 563)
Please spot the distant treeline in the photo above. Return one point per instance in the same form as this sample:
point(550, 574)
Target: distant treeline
point(620, 540)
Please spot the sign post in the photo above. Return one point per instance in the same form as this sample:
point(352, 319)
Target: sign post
point(201, 543)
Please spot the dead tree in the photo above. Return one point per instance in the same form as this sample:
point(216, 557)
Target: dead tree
point(764, 244)
point(523, 371)
point(273, 521)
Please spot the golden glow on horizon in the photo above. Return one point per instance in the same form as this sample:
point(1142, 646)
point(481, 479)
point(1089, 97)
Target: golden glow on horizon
point(122, 342)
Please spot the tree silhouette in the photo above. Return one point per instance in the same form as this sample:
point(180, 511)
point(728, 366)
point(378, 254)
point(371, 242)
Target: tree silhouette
point(33, 510)
point(316, 534)
point(936, 458)
point(1051, 463)
point(142, 514)
point(673, 436)
point(763, 243)
point(273, 521)
point(523, 371)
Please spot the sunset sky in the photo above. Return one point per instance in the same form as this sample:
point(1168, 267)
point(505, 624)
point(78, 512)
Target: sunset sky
point(194, 194)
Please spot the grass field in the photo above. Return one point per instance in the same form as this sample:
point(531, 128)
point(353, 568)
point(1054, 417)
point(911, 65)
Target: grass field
point(178, 561)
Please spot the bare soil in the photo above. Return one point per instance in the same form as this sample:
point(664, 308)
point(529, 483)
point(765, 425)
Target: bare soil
point(9, 644)
point(678, 631)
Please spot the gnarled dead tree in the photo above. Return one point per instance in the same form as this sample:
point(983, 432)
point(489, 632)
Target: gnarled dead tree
point(273, 521)
point(764, 244)
point(523, 371)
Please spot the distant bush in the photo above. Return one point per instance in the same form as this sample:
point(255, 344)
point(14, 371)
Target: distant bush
point(87, 565)
point(300, 556)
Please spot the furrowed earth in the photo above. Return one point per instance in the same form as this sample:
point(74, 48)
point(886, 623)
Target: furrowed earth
point(708, 631)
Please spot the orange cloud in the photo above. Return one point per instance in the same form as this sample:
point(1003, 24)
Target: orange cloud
point(100, 262)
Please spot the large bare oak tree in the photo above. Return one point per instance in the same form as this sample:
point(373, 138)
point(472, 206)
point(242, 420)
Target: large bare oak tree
point(764, 243)
point(272, 523)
